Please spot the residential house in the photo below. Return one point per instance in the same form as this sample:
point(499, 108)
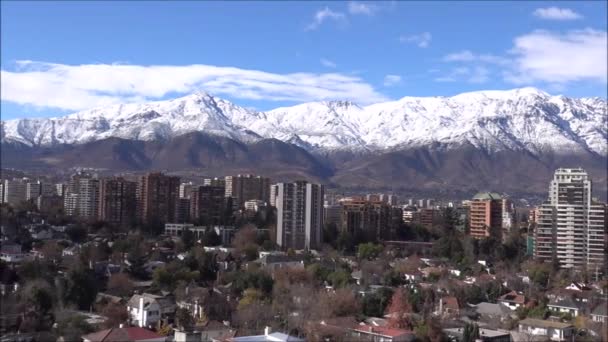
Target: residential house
point(275, 262)
point(448, 306)
point(71, 251)
point(12, 253)
point(485, 335)
point(600, 312)
point(146, 310)
point(413, 276)
point(267, 337)
point(512, 300)
point(575, 286)
point(555, 331)
point(565, 305)
point(122, 334)
point(372, 333)
point(491, 312)
point(213, 330)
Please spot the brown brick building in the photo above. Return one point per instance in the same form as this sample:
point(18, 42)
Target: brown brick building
point(157, 198)
point(486, 216)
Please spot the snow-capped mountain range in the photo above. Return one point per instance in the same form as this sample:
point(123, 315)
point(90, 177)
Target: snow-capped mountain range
point(519, 119)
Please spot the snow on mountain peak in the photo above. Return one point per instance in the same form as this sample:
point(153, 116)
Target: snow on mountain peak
point(524, 118)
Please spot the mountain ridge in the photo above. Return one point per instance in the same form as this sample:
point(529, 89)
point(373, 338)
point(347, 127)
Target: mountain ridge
point(523, 119)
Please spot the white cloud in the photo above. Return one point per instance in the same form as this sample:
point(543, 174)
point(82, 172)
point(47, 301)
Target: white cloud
point(76, 87)
point(423, 40)
point(477, 74)
point(445, 79)
point(391, 80)
point(560, 58)
point(323, 15)
point(468, 56)
point(355, 7)
point(556, 13)
point(328, 63)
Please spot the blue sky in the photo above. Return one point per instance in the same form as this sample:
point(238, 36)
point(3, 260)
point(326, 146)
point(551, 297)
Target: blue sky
point(60, 57)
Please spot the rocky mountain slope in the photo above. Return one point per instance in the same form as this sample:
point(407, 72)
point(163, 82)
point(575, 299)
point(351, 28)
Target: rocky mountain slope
point(520, 119)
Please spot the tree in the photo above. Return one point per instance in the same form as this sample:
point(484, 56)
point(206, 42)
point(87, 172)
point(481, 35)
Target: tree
point(188, 239)
point(81, 288)
point(399, 311)
point(210, 238)
point(120, 284)
point(470, 332)
point(183, 318)
point(76, 233)
point(116, 313)
point(339, 278)
point(38, 296)
point(374, 305)
point(341, 303)
point(71, 326)
point(52, 252)
point(250, 296)
point(330, 234)
point(368, 251)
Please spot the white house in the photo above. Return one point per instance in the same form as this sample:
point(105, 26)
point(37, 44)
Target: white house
point(555, 331)
point(600, 313)
point(146, 310)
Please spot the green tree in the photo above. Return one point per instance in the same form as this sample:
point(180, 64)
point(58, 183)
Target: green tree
point(368, 251)
point(339, 278)
point(210, 238)
point(81, 288)
point(188, 239)
point(77, 233)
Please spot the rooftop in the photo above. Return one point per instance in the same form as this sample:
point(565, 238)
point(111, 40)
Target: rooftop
point(487, 196)
point(383, 331)
point(541, 323)
point(130, 334)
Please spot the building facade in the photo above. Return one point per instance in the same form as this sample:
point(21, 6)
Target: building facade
point(207, 204)
point(82, 196)
point(157, 196)
point(242, 188)
point(117, 201)
point(485, 216)
point(299, 215)
point(570, 226)
point(14, 191)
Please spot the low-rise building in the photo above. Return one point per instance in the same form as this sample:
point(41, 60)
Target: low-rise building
point(565, 305)
point(485, 335)
point(512, 300)
point(555, 331)
point(146, 310)
point(600, 312)
point(267, 337)
point(373, 333)
point(122, 334)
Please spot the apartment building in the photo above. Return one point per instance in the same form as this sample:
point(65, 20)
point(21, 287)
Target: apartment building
point(570, 225)
point(485, 216)
point(299, 215)
point(157, 196)
point(243, 188)
point(117, 201)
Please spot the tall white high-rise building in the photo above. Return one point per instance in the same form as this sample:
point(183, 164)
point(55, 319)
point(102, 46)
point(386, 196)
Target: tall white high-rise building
point(570, 226)
point(299, 214)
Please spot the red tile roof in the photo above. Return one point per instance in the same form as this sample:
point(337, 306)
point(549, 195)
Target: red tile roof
point(513, 297)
